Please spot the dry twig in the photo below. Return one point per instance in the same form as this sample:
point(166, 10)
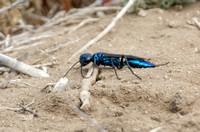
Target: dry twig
point(39, 37)
point(12, 48)
point(53, 10)
point(53, 49)
point(71, 18)
point(22, 107)
point(50, 64)
point(8, 108)
point(25, 108)
point(83, 23)
point(4, 69)
point(157, 129)
point(60, 85)
point(23, 26)
point(86, 83)
point(91, 10)
point(105, 31)
point(19, 82)
point(21, 67)
point(196, 22)
point(12, 73)
point(2, 35)
point(28, 110)
point(96, 3)
point(7, 40)
point(17, 3)
point(23, 39)
point(77, 14)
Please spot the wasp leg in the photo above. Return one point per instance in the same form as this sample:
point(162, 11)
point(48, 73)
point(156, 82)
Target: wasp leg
point(130, 68)
point(113, 66)
point(121, 62)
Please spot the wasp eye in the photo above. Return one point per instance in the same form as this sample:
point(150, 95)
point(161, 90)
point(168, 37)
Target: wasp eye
point(88, 58)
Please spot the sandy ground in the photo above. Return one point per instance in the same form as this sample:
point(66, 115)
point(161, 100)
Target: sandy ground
point(167, 97)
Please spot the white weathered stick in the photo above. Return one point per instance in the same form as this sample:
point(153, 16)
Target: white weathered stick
point(196, 22)
point(24, 38)
point(83, 23)
point(12, 48)
point(8, 108)
point(96, 3)
point(158, 129)
point(2, 35)
point(28, 40)
point(60, 85)
point(86, 83)
point(73, 14)
point(4, 69)
point(91, 10)
point(21, 67)
point(17, 3)
point(45, 65)
point(55, 48)
point(7, 40)
point(22, 25)
point(19, 82)
point(105, 31)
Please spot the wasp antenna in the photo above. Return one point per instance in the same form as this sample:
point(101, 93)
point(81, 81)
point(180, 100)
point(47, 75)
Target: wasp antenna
point(162, 64)
point(82, 73)
point(71, 68)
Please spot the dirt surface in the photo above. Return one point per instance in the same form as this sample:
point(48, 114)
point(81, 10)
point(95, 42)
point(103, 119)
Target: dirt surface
point(167, 97)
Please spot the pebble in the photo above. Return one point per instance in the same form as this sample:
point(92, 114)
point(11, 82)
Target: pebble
point(172, 24)
point(142, 13)
point(100, 14)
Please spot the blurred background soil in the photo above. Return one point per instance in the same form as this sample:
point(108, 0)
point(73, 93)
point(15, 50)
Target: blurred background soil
point(167, 97)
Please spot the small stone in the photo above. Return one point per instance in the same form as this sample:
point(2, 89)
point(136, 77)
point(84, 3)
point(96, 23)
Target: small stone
point(172, 24)
point(166, 77)
point(185, 111)
point(160, 18)
point(197, 50)
point(100, 14)
point(190, 22)
point(103, 86)
point(178, 7)
point(142, 13)
point(155, 118)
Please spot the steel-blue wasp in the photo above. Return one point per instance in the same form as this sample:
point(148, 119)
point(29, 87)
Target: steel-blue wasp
point(114, 60)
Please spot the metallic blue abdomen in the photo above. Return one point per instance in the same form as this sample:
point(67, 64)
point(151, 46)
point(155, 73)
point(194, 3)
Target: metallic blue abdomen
point(140, 64)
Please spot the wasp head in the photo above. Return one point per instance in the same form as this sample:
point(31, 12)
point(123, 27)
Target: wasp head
point(85, 59)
